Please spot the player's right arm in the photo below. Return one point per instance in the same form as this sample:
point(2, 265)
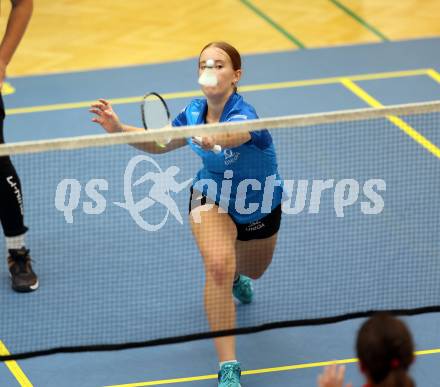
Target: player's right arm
point(109, 120)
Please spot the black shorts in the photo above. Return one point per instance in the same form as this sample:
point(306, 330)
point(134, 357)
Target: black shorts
point(259, 229)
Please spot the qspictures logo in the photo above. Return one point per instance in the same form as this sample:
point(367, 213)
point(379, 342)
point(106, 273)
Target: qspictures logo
point(299, 196)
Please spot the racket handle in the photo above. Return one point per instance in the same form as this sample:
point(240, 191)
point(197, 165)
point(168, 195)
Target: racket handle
point(216, 148)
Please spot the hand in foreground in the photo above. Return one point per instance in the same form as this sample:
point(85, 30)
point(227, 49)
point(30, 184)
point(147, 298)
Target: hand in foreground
point(333, 376)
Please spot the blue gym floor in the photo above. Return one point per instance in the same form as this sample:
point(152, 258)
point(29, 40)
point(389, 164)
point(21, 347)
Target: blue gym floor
point(40, 108)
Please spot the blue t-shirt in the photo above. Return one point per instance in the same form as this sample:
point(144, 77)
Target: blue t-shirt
point(244, 180)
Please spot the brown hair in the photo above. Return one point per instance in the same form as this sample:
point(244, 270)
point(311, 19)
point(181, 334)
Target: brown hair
point(385, 349)
point(232, 52)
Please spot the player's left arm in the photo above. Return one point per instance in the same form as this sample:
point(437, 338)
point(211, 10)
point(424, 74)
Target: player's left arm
point(17, 22)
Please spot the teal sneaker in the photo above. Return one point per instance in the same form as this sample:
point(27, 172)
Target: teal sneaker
point(229, 375)
point(242, 289)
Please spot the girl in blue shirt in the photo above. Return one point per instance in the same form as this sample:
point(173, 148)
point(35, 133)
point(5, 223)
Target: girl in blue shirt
point(235, 201)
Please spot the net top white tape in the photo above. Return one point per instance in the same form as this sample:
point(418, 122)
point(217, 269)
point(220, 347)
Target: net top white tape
point(292, 121)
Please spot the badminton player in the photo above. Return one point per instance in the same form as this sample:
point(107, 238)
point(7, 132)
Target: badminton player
point(236, 244)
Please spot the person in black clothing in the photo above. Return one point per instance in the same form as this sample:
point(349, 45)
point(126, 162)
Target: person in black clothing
point(11, 200)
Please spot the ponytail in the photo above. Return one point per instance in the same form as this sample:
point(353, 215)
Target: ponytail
point(398, 377)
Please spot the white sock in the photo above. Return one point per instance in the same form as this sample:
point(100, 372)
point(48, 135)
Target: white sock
point(227, 361)
point(13, 243)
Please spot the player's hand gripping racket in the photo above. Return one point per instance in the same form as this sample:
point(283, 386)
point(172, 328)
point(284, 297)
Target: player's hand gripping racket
point(156, 115)
point(216, 148)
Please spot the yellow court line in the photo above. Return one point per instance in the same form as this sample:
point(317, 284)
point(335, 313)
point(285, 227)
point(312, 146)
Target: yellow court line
point(86, 104)
point(434, 75)
point(428, 352)
point(7, 88)
point(15, 368)
point(259, 371)
point(330, 80)
point(248, 88)
point(405, 127)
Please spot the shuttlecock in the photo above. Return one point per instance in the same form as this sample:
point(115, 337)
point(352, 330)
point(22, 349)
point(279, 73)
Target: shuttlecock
point(208, 77)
